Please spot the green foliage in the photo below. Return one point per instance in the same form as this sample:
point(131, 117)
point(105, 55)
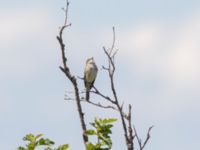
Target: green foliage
point(63, 147)
point(102, 131)
point(37, 141)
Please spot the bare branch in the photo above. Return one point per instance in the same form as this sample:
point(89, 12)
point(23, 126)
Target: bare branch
point(113, 44)
point(97, 92)
point(93, 103)
point(137, 137)
point(147, 138)
point(105, 68)
point(66, 13)
point(66, 70)
point(100, 105)
point(111, 71)
point(126, 119)
point(130, 130)
point(141, 146)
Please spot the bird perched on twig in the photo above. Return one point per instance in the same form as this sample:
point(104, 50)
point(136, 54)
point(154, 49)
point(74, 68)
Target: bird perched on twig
point(90, 73)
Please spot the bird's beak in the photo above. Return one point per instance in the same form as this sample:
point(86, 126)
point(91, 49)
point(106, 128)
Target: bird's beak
point(91, 58)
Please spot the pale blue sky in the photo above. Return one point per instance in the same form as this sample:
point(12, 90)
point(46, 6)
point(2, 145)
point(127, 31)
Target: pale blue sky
point(157, 68)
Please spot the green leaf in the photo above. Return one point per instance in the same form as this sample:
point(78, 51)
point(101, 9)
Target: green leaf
point(38, 136)
point(21, 148)
point(34, 141)
point(63, 147)
point(46, 142)
point(29, 137)
point(109, 120)
point(31, 146)
point(106, 140)
point(102, 131)
point(90, 132)
point(90, 146)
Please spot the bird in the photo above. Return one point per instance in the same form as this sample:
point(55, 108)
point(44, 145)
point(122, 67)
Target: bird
point(90, 73)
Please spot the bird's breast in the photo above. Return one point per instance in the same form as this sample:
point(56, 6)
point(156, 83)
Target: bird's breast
point(91, 73)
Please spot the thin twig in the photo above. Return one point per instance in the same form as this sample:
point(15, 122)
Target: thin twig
point(130, 130)
point(113, 44)
point(66, 70)
point(66, 13)
point(147, 137)
point(97, 92)
point(93, 103)
point(111, 71)
point(126, 119)
point(141, 146)
point(137, 137)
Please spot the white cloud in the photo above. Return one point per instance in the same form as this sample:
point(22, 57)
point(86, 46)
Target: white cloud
point(170, 55)
point(183, 61)
point(15, 26)
point(25, 37)
point(172, 52)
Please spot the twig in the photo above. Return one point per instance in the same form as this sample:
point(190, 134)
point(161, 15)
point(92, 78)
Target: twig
point(111, 71)
point(101, 106)
point(147, 138)
point(113, 44)
point(93, 103)
point(141, 146)
point(98, 104)
point(130, 130)
point(138, 139)
point(66, 70)
point(97, 92)
point(66, 12)
point(125, 119)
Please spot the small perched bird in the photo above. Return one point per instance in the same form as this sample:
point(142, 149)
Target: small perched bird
point(90, 73)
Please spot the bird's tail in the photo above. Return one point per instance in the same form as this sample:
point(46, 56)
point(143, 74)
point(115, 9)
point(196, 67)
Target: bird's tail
point(87, 96)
